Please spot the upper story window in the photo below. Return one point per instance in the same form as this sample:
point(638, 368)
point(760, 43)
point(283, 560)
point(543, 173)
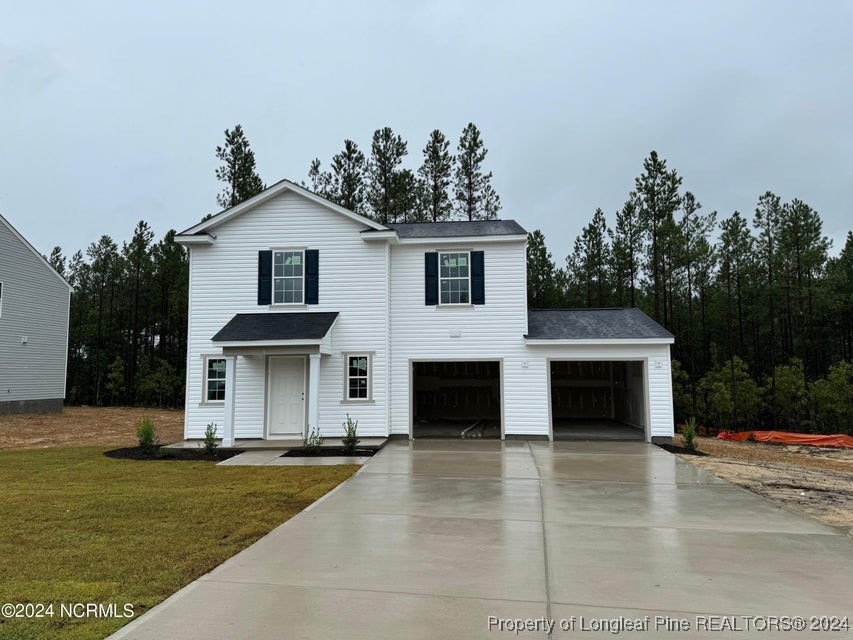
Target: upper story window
point(288, 277)
point(454, 278)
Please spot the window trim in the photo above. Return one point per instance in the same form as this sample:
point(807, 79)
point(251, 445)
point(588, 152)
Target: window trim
point(205, 399)
point(369, 376)
point(273, 278)
point(454, 304)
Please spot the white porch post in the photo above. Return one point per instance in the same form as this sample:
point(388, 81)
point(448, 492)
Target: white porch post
point(228, 425)
point(314, 391)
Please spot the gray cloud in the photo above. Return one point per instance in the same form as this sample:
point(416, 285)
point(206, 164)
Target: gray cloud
point(110, 114)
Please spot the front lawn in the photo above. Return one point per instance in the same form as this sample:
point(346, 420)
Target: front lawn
point(78, 527)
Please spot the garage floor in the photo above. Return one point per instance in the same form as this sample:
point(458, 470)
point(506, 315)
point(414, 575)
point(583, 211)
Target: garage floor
point(594, 429)
point(432, 537)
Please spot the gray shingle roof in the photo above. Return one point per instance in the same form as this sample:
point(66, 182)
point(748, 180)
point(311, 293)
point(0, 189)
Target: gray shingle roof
point(592, 324)
point(303, 325)
point(458, 229)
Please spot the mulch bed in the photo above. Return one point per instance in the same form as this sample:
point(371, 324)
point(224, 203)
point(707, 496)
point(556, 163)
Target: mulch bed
point(331, 452)
point(676, 449)
point(162, 453)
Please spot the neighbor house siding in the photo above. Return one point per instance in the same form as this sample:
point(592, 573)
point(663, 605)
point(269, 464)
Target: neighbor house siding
point(352, 281)
point(35, 303)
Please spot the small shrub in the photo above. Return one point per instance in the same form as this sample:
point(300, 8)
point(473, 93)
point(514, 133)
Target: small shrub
point(313, 441)
point(147, 436)
point(210, 442)
point(350, 439)
point(689, 434)
point(750, 437)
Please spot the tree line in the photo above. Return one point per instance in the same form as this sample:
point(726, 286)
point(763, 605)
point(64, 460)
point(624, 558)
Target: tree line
point(762, 315)
point(127, 339)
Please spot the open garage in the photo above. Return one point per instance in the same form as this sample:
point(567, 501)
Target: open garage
point(597, 399)
point(456, 399)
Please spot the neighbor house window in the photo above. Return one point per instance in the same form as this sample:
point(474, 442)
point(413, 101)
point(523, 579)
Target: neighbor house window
point(214, 379)
point(454, 274)
point(288, 283)
point(358, 376)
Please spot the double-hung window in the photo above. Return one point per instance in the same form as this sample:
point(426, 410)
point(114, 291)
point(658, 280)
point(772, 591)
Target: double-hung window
point(288, 283)
point(454, 275)
point(358, 377)
point(214, 380)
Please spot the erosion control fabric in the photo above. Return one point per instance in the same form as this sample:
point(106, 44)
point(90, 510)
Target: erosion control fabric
point(783, 437)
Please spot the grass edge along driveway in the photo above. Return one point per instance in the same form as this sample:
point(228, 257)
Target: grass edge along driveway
point(78, 527)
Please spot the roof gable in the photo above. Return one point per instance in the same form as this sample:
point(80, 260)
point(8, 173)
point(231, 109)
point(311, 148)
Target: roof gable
point(41, 258)
point(206, 226)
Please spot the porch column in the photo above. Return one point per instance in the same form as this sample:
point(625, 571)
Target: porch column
point(314, 391)
point(228, 423)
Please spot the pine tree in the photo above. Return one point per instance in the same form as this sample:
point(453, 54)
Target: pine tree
point(57, 260)
point(436, 172)
point(348, 169)
point(406, 197)
point(766, 220)
point(627, 243)
point(541, 287)
point(804, 248)
point(657, 191)
point(237, 170)
point(386, 154)
point(321, 181)
point(590, 261)
point(475, 199)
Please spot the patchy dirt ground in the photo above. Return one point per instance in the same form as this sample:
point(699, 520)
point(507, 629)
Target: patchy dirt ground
point(82, 426)
point(815, 481)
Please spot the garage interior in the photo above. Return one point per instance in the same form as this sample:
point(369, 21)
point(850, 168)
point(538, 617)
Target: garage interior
point(456, 399)
point(597, 400)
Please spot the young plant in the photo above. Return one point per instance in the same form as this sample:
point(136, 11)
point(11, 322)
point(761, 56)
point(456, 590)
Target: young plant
point(147, 436)
point(210, 442)
point(689, 435)
point(350, 439)
point(313, 441)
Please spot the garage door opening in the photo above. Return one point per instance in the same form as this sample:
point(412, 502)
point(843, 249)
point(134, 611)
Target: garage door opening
point(597, 400)
point(456, 399)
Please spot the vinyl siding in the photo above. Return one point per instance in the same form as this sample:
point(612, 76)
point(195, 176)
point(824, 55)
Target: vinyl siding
point(352, 282)
point(492, 331)
point(35, 304)
point(656, 404)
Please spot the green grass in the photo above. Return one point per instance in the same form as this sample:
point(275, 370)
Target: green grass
point(76, 526)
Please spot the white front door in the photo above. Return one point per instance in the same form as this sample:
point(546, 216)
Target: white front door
point(286, 406)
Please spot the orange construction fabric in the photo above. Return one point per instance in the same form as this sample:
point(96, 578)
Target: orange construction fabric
point(783, 437)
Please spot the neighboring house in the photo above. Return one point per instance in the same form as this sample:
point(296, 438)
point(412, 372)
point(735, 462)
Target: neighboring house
point(302, 312)
point(34, 303)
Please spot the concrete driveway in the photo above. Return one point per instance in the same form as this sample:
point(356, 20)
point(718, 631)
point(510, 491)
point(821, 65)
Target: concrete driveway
point(432, 538)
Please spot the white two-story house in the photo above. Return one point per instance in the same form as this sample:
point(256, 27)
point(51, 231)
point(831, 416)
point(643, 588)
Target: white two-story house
point(302, 312)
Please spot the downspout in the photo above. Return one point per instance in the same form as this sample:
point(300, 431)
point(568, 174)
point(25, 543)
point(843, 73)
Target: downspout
point(388, 359)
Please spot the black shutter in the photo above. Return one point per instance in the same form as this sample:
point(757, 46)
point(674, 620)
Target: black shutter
point(264, 277)
point(478, 282)
point(431, 278)
point(312, 276)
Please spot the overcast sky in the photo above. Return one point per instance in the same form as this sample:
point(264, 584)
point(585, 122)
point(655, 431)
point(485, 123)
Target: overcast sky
point(110, 111)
